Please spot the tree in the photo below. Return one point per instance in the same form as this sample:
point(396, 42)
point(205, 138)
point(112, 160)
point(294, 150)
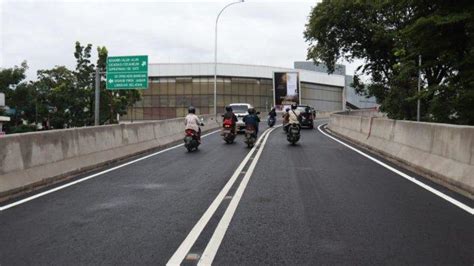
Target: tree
point(23, 101)
point(19, 96)
point(62, 97)
point(111, 102)
point(390, 36)
point(63, 104)
point(10, 78)
point(84, 75)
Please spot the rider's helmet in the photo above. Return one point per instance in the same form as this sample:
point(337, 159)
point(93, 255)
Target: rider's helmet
point(294, 106)
point(228, 108)
point(287, 109)
point(191, 110)
point(251, 111)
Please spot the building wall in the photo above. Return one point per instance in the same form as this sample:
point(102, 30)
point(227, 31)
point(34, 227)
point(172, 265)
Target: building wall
point(170, 97)
point(358, 100)
point(174, 87)
point(239, 70)
point(351, 96)
point(311, 66)
point(321, 97)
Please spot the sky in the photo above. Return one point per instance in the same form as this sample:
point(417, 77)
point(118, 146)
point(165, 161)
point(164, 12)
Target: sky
point(260, 32)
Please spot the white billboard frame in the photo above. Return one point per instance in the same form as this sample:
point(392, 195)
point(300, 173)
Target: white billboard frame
point(299, 85)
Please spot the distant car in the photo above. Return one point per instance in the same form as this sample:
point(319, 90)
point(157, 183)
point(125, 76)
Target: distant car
point(307, 116)
point(240, 110)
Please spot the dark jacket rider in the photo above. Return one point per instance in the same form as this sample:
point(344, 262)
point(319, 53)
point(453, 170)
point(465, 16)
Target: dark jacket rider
point(230, 116)
point(272, 113)
point(252, 120)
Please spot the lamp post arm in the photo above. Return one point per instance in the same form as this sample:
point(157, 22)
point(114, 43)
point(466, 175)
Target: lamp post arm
point(222, 10)
point(215, 53)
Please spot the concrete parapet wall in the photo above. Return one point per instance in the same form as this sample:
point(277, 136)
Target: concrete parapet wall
point(443, 152)
point(34, 158)
point(364, 113)
point(323, 114)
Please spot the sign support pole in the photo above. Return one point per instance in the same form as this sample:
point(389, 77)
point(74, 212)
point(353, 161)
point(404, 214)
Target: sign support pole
point(97, 97)
point(418, 105)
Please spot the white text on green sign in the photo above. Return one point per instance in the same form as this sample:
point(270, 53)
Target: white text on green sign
point(127, 72)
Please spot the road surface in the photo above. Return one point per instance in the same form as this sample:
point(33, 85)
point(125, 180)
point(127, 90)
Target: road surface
point(318, 202)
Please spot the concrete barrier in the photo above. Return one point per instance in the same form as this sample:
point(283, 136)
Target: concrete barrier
point(323, 114)
point(319, 115)
point(442, 152)
point(364, 113)
point(32, 159)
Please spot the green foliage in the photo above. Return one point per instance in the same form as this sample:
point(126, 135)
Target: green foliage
point(60, 97)
point(19, 129)
point(389, 36)
point(9, 80)
point(10, 77)
point(61, 100)
point(23, 100)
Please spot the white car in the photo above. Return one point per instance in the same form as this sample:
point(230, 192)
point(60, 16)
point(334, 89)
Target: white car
point(240, 110)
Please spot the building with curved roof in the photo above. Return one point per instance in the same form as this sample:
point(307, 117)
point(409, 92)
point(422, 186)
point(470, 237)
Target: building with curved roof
point(175, 86)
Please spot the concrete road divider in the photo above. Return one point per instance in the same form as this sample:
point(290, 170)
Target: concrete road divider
point(33, 159)
point(443, 152)
point(321, 114)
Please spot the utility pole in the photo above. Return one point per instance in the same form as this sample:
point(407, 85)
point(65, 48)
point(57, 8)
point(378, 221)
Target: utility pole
point(97, 97)
point(419, 88)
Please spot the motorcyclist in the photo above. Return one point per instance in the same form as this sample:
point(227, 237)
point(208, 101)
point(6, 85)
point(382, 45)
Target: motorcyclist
point(272, 117)
point(306, 113)
point(294, 115)
point(192, 122)
point(286, 119)
point(230, 117)
point(272, 113)
point(252, 120)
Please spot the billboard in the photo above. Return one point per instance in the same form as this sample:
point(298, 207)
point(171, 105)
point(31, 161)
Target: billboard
point(2, 99)
point(286, 89)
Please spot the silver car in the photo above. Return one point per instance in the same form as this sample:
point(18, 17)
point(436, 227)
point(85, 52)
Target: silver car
point(240, 110)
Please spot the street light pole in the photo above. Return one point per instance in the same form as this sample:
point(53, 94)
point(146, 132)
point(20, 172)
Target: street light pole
point(215, 54)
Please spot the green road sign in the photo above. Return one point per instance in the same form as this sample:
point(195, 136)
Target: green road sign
point(127, 72)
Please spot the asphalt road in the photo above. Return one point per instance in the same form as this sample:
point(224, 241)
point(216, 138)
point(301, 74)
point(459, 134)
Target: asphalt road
point(314, 203)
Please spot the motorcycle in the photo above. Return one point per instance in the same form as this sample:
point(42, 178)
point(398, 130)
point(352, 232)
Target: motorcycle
point(228, 134)
point(191, 140)
point(271, 121)
point(293, 134)
point(250, 136)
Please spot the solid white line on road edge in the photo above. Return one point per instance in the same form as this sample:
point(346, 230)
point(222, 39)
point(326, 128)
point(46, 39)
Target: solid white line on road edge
point(191, 238)
point(412, 179)
point(13, 204)
point(214, 243)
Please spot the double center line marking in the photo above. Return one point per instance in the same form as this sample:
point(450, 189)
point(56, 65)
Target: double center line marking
point(213, 245)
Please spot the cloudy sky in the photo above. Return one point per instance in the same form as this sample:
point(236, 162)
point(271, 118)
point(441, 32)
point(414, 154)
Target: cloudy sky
point(254, 32)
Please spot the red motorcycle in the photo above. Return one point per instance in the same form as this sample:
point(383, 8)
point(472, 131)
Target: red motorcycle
point(191, 140)
point(228, 133)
